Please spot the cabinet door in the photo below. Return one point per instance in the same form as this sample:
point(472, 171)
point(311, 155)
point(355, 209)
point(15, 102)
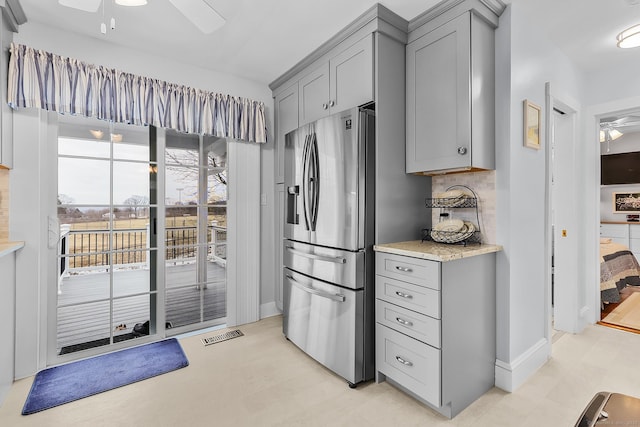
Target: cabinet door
point(438, 98)
point(278, 243)
point(286, 112)
point(351, 76)
point(314, 95)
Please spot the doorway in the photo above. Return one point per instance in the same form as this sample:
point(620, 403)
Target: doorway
point(196, 194)
point(107, 283)
point(142, 220)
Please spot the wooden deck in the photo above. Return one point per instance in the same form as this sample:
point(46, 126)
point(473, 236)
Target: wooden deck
point(89, 322)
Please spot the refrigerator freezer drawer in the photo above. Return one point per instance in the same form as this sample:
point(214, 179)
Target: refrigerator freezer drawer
point(343, 268)
point(326, 322)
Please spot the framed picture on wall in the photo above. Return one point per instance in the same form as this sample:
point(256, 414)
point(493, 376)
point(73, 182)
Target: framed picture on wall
point(531, 125)
point(626, 202)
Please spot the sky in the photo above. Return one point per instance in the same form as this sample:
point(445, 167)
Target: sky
point(84, 171)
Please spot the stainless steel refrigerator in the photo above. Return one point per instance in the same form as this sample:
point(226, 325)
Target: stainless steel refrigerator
point(328, 246)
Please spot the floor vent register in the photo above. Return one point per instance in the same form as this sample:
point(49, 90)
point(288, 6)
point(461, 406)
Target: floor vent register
point(222, 337)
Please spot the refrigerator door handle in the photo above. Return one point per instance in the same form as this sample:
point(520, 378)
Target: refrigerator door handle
point(314, 180)
point(305, 181)
point(336, 260)
point(333, 297)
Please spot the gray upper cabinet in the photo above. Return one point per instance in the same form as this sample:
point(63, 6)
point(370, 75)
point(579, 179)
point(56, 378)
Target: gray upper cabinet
point(286, 117)
point(345, 81)
point(450, 97)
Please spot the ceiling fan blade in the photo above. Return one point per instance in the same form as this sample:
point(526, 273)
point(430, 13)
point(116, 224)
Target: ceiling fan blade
point(86, 5)
point(200, 13)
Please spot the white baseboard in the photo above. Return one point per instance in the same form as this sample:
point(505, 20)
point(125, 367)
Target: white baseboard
point(268, 310)
point(510, 376)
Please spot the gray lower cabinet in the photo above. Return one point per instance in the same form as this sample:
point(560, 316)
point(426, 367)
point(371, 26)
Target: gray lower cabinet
point(279, 227)
point(435, 328)
point(7, 323)
point(450, 97)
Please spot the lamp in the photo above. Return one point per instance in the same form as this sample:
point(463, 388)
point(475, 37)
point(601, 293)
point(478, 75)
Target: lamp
point(629, 38)
point(131, 2)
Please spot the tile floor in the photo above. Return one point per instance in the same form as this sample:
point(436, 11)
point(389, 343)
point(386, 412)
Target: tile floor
point(261, 379)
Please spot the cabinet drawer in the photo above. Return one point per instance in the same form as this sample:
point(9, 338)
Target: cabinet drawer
point(418, 326)
point(415, 270)
point(634, 245)
point(412, 364)
point(634, 231)
point(614, 230)
point(410, 296)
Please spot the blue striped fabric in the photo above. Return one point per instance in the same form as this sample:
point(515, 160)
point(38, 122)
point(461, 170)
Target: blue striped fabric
point(39, 79)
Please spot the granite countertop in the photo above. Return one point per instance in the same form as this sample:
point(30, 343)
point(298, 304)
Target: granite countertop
point(435, 251)
point(8, 247)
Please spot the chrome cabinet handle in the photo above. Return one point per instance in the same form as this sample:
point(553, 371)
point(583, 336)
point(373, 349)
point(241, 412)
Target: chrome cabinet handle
point(404, 362)
point(325, 106)
point(331, 103)
point(337, 260)
point(403, 322)
point(403, 295)
point(462, 150)
point(405, 269)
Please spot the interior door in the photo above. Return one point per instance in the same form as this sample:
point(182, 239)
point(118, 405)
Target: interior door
point(566, 295)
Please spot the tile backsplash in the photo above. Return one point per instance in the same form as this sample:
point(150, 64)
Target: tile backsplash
point(484, 184)
point(4, 205)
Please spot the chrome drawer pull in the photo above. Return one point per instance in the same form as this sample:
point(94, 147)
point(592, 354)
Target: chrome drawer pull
point(404, 362)
point(405, 269)
point(404, 322)
point(403, 295)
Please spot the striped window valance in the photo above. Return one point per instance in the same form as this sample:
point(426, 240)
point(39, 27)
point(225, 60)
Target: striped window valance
point(51, 82)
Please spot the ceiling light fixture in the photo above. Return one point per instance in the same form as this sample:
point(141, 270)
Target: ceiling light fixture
point(97, 134)
point(131, 2)
point(629, 38)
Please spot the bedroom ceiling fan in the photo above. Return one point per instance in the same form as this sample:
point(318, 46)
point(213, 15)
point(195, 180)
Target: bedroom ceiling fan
point(612, 128)
point(199, 12)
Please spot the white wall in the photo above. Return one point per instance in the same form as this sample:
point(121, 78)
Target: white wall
point(25, 187)
point(524, 63)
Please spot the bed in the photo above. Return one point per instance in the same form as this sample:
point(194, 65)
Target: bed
point(618, 268)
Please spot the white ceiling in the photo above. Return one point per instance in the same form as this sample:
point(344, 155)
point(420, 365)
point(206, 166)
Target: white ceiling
point(264, 38)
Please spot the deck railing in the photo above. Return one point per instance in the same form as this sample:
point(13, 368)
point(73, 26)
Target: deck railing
point(92, 248)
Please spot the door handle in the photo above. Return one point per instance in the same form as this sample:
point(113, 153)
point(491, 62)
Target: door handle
point(336, 260)
point(314, 180)
point(305, 183)
point(309, 290)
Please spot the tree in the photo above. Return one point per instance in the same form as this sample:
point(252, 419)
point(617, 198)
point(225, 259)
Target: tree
point(136, 203)
point(186, 167)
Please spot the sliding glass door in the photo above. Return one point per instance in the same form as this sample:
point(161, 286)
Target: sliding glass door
point(107, 290)
point(196, 230)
